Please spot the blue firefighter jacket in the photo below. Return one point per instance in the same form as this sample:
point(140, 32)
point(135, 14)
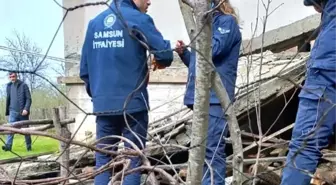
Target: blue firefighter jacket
point(226, 41)
point(113, 63)
point(323, 53)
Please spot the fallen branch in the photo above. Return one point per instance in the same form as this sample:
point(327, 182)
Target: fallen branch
point(37, 122)
point(265, 139)
point(24, 158)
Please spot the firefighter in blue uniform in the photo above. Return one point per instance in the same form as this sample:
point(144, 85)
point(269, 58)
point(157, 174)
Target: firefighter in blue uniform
point(113, 67)
point(226, 42)
point(316, 114)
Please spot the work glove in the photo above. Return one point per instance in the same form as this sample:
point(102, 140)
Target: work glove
point(157, 65)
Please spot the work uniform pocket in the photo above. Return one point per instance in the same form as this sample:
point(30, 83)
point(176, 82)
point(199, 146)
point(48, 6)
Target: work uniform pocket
point(316, 113)
point(316, 83)
point(312, 92)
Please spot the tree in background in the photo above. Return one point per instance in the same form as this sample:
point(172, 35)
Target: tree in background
point(25, 59)
point(25, 55)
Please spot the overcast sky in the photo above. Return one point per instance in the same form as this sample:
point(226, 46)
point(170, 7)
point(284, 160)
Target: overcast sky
point(169, 20)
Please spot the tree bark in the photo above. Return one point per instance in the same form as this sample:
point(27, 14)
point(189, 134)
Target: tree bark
point(200, 116)
point(63, 132)
point(235, 134)
point(202, 94)
point(189, 21)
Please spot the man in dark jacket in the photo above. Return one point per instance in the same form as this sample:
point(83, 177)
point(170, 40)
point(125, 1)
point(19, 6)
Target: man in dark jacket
point(316, 114)
point(114, 68)
point(18, 104)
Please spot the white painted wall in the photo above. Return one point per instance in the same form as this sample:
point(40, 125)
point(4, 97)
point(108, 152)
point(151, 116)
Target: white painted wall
point(160, 94)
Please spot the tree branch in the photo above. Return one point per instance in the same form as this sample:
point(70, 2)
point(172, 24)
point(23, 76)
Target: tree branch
point(237, 162)
point(189, 3)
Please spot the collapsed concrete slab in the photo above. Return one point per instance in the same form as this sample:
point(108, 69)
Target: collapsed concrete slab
point(283, 38)
point(279, 75)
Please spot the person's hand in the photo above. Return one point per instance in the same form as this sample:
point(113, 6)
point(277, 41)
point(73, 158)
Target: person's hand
point(24, 113)
point(318, 8)
point(157, 65)
point(179, 47)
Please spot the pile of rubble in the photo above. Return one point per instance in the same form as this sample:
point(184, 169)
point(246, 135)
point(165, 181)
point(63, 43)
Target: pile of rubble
point(278, 98)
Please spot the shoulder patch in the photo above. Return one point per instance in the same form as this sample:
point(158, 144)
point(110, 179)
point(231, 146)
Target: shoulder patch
point(109, 21)
point(223, 30)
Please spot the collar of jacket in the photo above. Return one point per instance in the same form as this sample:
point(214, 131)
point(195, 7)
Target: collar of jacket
point(129, 3)
point(216, 14)
point(17, 81)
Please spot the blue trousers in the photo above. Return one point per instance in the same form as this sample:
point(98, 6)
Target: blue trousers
point(13, 117)
point(313, 126)
point(115, 125)
point(215, 146)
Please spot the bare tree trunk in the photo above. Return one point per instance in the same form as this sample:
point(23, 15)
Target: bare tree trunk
point(200, 119)
point(202, 94)
point(63, 132)
point(189, 21)
point(235, 134)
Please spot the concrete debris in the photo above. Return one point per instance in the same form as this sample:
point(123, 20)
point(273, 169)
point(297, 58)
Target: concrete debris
point(46, 166)
point(285, 37)
point(325, 174)
point(274, 86)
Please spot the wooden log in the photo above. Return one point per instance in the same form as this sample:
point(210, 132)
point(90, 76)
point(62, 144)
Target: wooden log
point(39, 128)
point(271, 145)
point(158, 122)
point(63, 132)
point(266, 138)
point(37, 122)
point(274, 140)
point(44, 113)
point(174, 132)
point(168, 126)
point(23, 158)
